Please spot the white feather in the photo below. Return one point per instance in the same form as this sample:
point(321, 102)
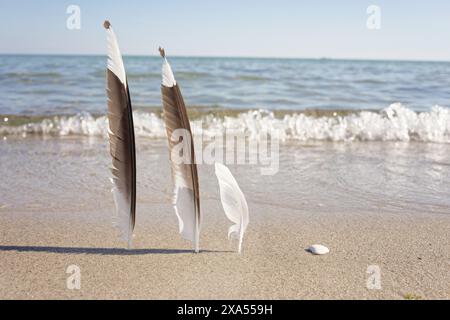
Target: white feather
point(122, 219)
point(168, 79)
point(184, 198)
point(115, 62)
point(184, 206)
point(233, 202)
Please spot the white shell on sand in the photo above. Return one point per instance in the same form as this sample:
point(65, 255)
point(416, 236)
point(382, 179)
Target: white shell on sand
point(318, 249)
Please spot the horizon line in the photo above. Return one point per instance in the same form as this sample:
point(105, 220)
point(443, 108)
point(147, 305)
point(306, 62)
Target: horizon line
point(227, 57)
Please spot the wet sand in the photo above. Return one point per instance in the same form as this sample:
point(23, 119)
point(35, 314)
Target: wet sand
point(56, 208)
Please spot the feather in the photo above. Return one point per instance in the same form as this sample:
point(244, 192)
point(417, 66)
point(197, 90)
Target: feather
point(121, 139)
point(186, 199)
point(233, 202)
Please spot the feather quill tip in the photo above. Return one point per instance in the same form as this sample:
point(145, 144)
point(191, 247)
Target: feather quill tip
point(130, 242)
point(168, 79)
point(162, 52)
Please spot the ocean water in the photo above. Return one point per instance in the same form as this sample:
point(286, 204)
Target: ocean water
point(356, 136)
point(69, 176)
point(41, 85)
point(400, 100)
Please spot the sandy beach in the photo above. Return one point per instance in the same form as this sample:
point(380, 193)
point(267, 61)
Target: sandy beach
point(56, 208)
point(135, 139)
point(412, 253)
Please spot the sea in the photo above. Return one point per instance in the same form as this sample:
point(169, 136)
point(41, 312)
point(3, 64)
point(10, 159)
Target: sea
point(305, 99)
point(356, 137)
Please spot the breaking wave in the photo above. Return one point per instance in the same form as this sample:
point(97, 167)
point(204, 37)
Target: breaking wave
point(394, 123)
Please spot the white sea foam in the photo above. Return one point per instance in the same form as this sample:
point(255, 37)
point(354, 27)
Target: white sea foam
point(395, 123)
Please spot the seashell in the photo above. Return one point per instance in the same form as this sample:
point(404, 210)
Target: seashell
point(318, 249)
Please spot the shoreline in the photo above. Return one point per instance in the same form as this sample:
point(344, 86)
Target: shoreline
point(395, 123)
point(382, 204)
point(194, 112)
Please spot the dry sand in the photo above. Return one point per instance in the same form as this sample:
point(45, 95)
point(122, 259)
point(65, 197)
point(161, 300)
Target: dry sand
point(412, 252)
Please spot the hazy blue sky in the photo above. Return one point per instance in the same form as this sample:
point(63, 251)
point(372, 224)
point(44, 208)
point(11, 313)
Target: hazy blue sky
point(336, 29)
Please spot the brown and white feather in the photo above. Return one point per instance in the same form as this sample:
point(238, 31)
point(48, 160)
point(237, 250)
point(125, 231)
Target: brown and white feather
point(121, 138)
point(184, 175)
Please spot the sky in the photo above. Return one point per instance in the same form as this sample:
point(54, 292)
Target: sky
point(410, 30)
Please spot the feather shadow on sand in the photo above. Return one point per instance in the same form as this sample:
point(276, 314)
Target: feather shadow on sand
point(100, 251)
